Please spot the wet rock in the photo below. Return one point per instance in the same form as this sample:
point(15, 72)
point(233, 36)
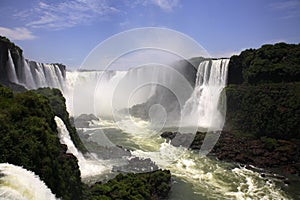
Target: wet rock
point(267, 153)
point(168, 135)
point(137, 165)
point(84, 120)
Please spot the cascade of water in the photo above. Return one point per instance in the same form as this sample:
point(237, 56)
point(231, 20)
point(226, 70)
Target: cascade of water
point(18, 183)
point(80, 91)
point(40, 78)
point(88, 167)
point(33, 75)
point(28, 80)
point(11, 71)
point(201, 109)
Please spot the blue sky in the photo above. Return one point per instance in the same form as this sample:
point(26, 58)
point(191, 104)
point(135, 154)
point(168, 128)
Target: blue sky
point(66, 31)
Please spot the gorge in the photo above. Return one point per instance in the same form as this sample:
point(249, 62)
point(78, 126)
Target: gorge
point(119, 124)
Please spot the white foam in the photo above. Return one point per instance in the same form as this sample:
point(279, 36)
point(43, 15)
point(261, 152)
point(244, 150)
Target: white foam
point(21, 184)
point(89, 167)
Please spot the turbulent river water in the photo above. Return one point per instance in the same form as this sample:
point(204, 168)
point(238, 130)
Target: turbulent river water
point(194, 176)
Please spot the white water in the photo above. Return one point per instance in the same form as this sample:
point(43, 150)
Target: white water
point(209, 178)
point(11, 70)
point(202, 108)
point(18, 183)
point(89, 167)
point(91, 91)
point(33, 75)
point(28, 76)
point(105, 93)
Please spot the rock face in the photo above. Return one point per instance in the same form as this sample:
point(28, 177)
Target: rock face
point(265, 152)
point(57, 102)
point(177, 139)
point(84, 120)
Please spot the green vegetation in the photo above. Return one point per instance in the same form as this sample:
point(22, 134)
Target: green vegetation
point(29, 139)
point(263, 96)
point(268, 64)
point(271, 110)
point(57, 102)
point(154, 185)
point(5, 45)
point(4, 41)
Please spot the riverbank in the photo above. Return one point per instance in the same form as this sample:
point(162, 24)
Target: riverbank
point(279, 156)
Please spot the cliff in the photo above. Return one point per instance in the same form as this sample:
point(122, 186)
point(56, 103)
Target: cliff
point(277, 63)
point(263, 96)
point(30, 139)
point(57, 102)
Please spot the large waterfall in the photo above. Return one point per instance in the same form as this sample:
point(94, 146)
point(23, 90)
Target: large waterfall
point(192, 94)
point(203, 107)
point(17, 183)
point(179, 90)
point(33, 75)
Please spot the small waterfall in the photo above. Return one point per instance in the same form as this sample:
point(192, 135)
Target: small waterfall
point(202, 108)
point(17, 183)
point(11, 70)
point(89, 167)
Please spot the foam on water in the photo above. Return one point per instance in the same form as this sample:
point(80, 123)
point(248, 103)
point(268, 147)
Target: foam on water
point(17, 183)
point(209, 177)
point(89, 167)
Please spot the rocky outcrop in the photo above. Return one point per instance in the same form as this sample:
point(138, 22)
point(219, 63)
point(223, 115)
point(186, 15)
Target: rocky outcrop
point(84, 120)
point(58, 104)
point(149, 186)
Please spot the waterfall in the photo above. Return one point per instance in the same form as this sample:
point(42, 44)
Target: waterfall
point(28, 80)
point(104, 93)
point(33, 75)
point(11, 70)
point(17, 183)
point(202, 108)
point(89, 167)
point(80, 91)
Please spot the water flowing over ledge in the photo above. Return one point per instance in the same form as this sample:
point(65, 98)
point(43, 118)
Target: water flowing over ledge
point(17, 183)
point(89, 167)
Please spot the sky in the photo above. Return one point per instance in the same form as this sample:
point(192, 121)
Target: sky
point(65, 31)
